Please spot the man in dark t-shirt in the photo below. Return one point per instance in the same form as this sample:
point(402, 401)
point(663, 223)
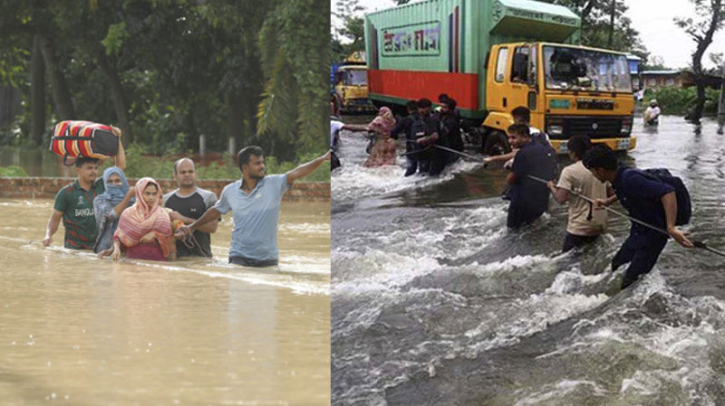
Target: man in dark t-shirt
point(647, 200)
point(74, 205)
point(410, 125)
point(431, 125)
point(529, 198)
point(191, 202)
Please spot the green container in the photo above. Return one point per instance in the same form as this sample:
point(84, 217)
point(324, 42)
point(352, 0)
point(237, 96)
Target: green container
point(455, 35)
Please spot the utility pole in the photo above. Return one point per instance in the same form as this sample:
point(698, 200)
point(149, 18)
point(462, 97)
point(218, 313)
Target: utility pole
point(721, 102)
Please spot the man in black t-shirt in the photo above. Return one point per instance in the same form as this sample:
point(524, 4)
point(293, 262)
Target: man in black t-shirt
point(191, 202)
point(409, 125)
point(431, 125)
point(449, 137)
point(529, 198)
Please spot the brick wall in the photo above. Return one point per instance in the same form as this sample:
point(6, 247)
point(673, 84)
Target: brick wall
point(46, 188)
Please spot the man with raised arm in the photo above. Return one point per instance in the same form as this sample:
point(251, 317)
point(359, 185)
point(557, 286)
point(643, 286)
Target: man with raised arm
point(255, 200)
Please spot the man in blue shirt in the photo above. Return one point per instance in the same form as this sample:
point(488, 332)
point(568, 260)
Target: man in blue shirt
point(529, 198)
point(255, 200)
point(647, 200)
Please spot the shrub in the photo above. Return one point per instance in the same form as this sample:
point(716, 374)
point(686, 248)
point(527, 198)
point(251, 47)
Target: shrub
point(12, 172)
point(675, 100)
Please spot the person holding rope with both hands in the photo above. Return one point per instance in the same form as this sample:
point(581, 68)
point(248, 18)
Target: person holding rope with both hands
point(648, 201)
point(529, 199)
point(585, 224)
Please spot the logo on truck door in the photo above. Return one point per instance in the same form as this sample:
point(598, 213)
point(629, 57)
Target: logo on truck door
point(412, 40)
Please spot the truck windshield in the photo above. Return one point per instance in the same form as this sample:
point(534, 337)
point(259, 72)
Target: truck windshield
point(583, 69)
point(356, 77)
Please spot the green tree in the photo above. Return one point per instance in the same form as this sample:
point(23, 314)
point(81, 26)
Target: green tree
point(711, 16)
point(295, 108)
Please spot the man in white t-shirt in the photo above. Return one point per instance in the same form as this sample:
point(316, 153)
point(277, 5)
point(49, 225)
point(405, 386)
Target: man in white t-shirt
point(652, 113)
point(585, 223)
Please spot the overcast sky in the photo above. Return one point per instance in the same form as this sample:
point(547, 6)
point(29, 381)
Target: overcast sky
point(654, 21)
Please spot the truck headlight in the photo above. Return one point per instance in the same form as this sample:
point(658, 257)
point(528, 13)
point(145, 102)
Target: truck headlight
point(556, 130)
point(626, 126)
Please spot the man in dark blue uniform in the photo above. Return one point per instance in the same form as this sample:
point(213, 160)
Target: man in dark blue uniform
point(647, 200)
point(408, 125)
point(529, 198)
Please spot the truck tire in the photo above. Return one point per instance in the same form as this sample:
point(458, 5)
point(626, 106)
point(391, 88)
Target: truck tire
point(496, 144)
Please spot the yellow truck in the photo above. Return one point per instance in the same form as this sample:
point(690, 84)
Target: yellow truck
point(493, 56)
point(351, 85)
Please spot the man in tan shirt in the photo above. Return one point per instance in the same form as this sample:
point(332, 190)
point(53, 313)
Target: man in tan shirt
point(585, 223)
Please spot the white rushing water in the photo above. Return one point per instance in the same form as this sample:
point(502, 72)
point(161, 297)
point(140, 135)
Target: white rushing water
point(434, 298)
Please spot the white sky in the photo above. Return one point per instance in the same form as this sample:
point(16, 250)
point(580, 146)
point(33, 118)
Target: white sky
point(654, 21)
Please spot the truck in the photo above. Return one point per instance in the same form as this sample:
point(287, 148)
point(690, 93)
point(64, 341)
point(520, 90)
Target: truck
point(495, 55)
point(351, 87)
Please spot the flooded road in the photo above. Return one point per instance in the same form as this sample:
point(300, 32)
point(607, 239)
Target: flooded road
point(435, 302)
point(81, 331)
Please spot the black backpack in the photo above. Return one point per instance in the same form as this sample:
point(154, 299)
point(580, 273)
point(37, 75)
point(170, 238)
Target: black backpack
point(684, 204)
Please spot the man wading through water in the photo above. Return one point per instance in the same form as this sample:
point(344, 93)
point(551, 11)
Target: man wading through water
point(256, 200)
point(648, 200)
point(74, 203)
point(585, 224)
point(529, 198)
point(189, 202)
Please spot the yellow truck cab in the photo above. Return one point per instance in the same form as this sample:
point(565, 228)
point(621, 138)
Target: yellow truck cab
point(351, 85)
point(569, 89)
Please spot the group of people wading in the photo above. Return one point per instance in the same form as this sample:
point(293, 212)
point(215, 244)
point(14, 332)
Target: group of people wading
point(110, 218)
point(430, 137)
point(592, 182)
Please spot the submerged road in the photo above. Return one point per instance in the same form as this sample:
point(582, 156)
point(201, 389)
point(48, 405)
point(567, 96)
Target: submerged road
point(435, 302)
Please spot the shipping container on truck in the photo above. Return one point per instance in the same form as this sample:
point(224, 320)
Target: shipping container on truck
point(495, 55)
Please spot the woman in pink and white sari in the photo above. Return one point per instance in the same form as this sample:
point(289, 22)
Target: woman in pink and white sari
point(144, 229)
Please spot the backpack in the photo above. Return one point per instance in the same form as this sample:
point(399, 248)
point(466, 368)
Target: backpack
point(684, 204)
point(73, 139)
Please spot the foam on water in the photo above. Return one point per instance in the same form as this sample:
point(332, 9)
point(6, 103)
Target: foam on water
point(353, 181)
point(430, 288)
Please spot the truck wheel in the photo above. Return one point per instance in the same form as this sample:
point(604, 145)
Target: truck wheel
point(496, 144)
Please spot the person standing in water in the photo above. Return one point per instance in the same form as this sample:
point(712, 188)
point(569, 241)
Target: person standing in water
point(646, 200)
point(255, 200)
point(109, 205)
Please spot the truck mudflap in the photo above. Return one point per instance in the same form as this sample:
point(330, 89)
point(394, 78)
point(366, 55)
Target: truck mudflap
point(616, 144)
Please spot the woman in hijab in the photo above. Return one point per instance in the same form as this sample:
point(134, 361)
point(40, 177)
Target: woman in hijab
point(144, 229)
point(383, 151)
point(108, 206)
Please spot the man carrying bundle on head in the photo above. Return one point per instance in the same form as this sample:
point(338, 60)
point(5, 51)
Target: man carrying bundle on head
point(74, 203)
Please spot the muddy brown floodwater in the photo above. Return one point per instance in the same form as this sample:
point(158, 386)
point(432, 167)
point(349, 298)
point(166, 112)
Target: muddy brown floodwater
point(81, 331)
